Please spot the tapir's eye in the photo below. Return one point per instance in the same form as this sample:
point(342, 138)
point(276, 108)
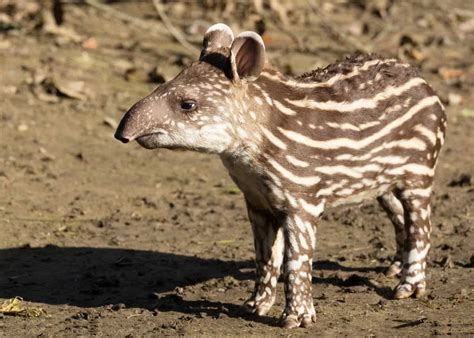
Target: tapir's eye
point(188, 105)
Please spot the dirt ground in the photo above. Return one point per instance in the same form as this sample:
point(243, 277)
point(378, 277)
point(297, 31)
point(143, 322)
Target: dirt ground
point(114, 240)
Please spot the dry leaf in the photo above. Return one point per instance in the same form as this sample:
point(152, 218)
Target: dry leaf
point(108, 121)
point(71, 89)
point(14, 307)
point(449, 74)
point(90, 43)
point(468, 112)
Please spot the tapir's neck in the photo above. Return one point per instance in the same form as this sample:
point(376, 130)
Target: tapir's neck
point(262, 105)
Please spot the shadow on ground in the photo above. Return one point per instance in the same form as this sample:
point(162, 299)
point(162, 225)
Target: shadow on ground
point(94, 277)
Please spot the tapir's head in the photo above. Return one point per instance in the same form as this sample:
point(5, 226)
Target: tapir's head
point(199, 109)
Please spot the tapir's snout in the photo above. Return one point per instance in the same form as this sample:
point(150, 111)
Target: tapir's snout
point(137, 121)
point(120, 133)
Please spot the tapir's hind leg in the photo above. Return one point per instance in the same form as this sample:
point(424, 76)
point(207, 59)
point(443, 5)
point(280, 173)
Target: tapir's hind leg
point(394, 209)
point(416, 206)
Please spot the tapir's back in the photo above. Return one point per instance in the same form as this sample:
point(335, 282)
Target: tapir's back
point(353, 126)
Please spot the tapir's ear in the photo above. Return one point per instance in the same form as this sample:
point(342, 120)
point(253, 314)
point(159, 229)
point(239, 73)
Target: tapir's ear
point(217, 36)
point(247, 56)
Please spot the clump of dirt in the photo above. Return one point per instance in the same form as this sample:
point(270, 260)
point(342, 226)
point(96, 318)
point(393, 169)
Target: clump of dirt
point(115, 240)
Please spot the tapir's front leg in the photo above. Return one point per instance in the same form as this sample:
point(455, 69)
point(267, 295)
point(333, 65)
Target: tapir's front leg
point(269, 247)
point(300, 242)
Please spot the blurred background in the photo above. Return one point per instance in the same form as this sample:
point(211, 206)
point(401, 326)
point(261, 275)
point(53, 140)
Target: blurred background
point(102, 238)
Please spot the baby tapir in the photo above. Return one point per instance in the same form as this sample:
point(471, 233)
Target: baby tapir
point(364, 127)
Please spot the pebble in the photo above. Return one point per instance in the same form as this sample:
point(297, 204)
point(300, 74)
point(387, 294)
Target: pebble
point(22, 127)
point(454, 99)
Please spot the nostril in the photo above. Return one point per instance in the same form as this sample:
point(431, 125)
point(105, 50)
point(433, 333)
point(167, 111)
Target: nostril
point(119, 137)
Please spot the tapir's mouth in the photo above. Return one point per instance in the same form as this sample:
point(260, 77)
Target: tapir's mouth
point(149, 140)
point(152, 141)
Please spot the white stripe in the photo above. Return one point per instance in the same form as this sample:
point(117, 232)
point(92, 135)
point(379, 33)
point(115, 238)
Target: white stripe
point(424, 192)
point(415, 256)
point(412, 168)
point(356, 172)
point(349, 126)
point(312, 233)
point(343, 126)
point(285, 110)
point(303, 242)
point(414, 279)
point(258, 100)
point(299, 224)
point(306, 181)
point(344, 192)
point(297, 163)
point(426, 133)
point(274, 178)
point(371, 103)
point(440, 135)
point(329, 190)
point(359, 144)
point(278, 248)
point(265, 95)
point(364, 126)
point(272, 138)
point(389, 159)
point(291, 199)
point(314, 210)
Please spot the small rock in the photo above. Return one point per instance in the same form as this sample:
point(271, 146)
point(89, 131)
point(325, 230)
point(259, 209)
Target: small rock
point(454, 99)
point(71, 89)
point(46, 156)
point(467, 26)
point(117, 307)
point(90, 43)
point(9, 89)
point(463, 293)
point(22, 127)
point(222, 315)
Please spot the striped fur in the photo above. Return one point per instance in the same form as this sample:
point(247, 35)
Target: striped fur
point(366, 127)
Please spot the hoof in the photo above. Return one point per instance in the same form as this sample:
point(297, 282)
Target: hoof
point(249, 306)
point(406, 290)
point(292, 321)
point(260, 309)
point(308, 321)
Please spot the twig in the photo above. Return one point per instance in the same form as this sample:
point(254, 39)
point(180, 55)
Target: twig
point(411, 323)
point(144, 25)
point(172, 29)
point(124, 17)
